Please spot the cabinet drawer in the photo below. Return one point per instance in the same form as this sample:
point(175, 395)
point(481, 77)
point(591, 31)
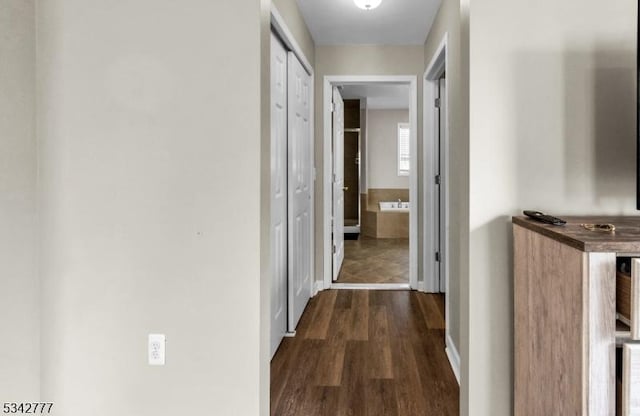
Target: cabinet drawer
point(628, 298)
point(630, 405)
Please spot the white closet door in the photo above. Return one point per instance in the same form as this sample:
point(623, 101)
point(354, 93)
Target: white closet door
point(338, 182)
point(300, 185)
point(278, 193)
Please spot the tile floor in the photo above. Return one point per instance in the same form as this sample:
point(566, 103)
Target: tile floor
point(371, 260)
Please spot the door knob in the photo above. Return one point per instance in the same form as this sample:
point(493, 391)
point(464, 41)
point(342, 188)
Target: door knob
point(346, 188)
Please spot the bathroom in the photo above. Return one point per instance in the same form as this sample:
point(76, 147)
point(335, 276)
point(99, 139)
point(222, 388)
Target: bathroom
point(376, 184)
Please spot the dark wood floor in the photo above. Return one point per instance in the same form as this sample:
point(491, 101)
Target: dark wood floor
point(366, 353)
point(375, 260)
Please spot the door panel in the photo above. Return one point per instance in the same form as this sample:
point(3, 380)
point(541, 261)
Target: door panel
point(299, 189)
point(278, 193)
point(338, 182)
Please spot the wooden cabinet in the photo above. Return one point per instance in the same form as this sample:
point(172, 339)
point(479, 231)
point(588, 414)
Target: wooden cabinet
point(630, 382)
point(628, 298)
point(566, 318)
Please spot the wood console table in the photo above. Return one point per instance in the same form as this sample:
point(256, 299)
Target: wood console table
point(565, 315)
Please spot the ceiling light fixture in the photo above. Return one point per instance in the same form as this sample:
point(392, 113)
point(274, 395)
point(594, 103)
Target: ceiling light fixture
point(367, 4)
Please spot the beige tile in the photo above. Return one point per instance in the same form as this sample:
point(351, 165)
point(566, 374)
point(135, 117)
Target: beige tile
point(371, 260)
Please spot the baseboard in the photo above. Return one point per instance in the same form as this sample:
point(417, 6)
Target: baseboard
point(318, 287)
point(421, 287)
point(453, 356)
point(427, 286)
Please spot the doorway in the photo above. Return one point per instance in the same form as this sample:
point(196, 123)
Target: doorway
point(436, 186)
point(392, 204)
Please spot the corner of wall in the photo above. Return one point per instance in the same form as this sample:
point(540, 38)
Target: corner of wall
point(265, 204)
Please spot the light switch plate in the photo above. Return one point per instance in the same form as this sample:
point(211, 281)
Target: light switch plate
point(157, 349)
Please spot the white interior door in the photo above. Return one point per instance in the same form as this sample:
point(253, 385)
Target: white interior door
point(338, 182)
point(441, 194)
point(300, 186)
point(278, 193)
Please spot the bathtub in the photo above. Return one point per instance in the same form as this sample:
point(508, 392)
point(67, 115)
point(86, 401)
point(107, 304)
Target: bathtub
point(388, 206)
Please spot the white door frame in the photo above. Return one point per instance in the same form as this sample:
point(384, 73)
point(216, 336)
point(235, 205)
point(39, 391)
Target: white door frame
point(438, 65)
point(279, 26)
point(435, 69)
point(328, 83)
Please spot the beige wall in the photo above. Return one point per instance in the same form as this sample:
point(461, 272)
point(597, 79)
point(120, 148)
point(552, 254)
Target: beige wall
point(552, 87)
point(264, 368)
point(359, 60)
point(382, 149)
point(19, 288)
point(133, 127)
point(290, 12)
point(447, 23)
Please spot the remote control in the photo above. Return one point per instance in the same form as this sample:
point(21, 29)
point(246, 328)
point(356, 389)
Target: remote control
point(547, 219)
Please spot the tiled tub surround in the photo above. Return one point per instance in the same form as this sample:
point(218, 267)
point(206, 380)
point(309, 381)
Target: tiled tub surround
point(376, 224)
point(374, 196)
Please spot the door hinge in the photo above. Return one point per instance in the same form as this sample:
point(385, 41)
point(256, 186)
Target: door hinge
point(437, 256)
point(332, 107)
point(334, 249)
point(437, 179)
point(437, 102)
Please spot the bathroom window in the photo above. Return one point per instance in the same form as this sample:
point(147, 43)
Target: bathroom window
point(403, 149)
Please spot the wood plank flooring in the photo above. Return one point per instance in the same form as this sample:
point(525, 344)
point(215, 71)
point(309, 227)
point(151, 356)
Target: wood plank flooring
point(375, 260)
point(366, 353)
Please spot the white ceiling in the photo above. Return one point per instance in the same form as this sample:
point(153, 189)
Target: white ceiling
point(394, 22)
point(379, 96)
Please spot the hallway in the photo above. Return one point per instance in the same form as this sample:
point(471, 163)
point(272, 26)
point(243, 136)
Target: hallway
point(359, 352)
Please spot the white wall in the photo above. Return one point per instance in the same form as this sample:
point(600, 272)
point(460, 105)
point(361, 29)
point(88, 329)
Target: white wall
point(19, 288)
point(144, 109)
point(552, 87)
point(382, 149)
point(360, 60)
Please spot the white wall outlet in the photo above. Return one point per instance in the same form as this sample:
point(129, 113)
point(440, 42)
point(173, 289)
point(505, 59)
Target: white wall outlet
point(157, 348)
